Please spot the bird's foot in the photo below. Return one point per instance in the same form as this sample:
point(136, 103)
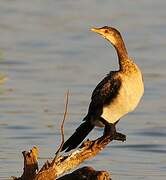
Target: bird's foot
point(110, 130)
point(119, 137)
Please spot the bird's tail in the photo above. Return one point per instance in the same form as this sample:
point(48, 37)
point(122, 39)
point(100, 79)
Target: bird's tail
point(79, 135)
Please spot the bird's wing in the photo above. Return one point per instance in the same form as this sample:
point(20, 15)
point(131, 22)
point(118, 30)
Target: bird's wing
point(104, 93)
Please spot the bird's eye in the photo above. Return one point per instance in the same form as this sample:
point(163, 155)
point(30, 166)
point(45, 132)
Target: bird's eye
point(106, 31)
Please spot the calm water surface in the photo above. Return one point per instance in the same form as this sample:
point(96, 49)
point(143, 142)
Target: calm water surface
point(46, 48)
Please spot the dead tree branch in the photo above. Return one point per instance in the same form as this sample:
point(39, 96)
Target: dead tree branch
point(60, 164)
point(52, 170)
point(62, 126)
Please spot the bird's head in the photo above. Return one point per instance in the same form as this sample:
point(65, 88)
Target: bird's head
point(109, 33)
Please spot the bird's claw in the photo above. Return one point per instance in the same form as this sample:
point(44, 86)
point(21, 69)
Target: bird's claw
point(120, 137)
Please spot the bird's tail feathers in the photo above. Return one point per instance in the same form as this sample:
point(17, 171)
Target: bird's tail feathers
point(79, 135)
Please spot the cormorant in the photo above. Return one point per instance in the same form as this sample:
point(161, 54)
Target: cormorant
point(116, 95)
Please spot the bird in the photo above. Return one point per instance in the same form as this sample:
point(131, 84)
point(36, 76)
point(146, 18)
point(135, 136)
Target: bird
point(115, 96)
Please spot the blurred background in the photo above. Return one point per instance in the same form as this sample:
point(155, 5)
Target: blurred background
point(46, 48)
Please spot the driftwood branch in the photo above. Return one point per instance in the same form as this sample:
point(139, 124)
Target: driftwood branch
point(52, 170)
point(63, 163)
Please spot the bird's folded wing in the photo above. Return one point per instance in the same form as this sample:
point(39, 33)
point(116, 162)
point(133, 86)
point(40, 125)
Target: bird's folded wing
point(105, 92)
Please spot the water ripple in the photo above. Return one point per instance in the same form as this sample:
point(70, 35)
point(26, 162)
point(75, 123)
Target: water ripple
point(153, 148)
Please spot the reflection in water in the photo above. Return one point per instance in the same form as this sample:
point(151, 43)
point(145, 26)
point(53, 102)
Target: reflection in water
point(47, 48)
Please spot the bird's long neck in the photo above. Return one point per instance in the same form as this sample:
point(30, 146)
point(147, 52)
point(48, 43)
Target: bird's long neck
point(124, 60)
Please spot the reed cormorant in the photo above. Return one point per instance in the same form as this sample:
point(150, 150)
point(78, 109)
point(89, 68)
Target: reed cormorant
point(116, 95)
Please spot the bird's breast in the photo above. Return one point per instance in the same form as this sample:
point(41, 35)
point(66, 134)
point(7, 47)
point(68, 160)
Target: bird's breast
point(128, 97)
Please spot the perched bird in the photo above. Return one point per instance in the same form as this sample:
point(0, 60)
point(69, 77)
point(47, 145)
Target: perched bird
point(116, 95)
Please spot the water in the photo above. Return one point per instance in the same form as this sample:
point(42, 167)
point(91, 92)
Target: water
point(47, 48)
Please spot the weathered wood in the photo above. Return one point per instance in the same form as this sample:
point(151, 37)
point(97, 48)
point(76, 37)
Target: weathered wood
point(62, 164)
point(30, 164)
point(88, 150)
